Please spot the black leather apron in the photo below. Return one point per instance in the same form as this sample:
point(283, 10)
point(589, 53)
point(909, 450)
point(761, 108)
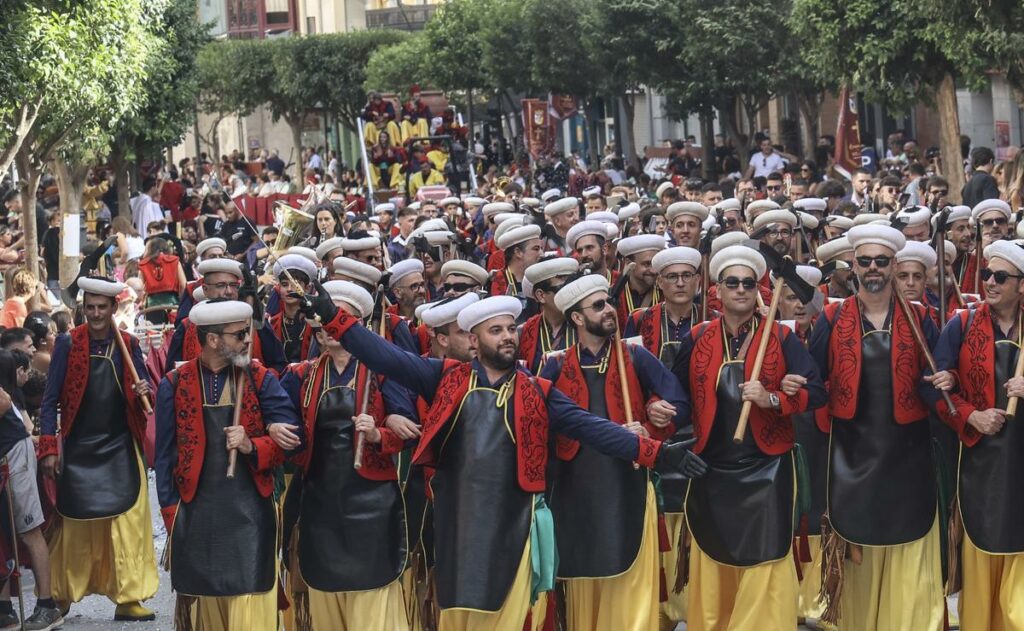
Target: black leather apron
point(418, 517)
point(351, 530)
point(673, 483)
point(991, 474)
point(100, 472)
point(598, 505)
point(224, 540)
point(881, 482)
point(814, 443)
point(741, 512)
point(481, 514)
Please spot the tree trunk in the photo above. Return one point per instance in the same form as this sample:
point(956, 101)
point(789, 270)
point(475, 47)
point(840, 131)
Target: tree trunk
point(71, 185)
point(22, 125)
point(119, 166)
point(295, 125)
point(727, 112)
point(709, 169)
point(30, 173)
point(628, 141)
point(810, 110)
point(949, 137)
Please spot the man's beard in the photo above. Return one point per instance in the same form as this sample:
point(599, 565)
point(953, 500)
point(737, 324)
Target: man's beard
point(781, 247)
point(874, 285)
point(239, 359)
point(494, 358)
point(601, 328)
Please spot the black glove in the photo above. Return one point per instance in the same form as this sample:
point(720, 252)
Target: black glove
point(679, 457)
point(319, 305)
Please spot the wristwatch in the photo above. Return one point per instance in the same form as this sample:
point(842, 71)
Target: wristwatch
point(773, 399)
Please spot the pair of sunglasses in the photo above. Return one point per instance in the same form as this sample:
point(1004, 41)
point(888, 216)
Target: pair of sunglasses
point(881, 262)
point(460, 287)
point(732, 283)
point(1000, 276)
point(998, 221)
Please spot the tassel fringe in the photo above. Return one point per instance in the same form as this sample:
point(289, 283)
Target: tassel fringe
point(183, 612)
point(955, 537)
point(303, 615)
point(833, 553)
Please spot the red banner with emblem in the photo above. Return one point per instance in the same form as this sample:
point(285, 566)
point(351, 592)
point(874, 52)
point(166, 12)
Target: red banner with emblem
point(847, 156)
point(538, 136)
point(562, 106)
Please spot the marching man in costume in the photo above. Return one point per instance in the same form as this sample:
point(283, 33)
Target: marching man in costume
point(352, 538)
point(741, 571)
point(222, 278)
point(837, 254)
point(222, 526)
point(290, 325)
point(104, 544)
point(587, 240)
point(684, 222)
point(548, 330)
point(978, 353)
point(605, 512)
point(522, 246)
point(487, 433)
point(881, 482)
point(640, 291)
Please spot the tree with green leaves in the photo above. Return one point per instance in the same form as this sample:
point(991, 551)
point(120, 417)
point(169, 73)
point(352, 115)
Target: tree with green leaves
point(882, 49)
point(392, 68)
point(92, 49)
point(231, 75)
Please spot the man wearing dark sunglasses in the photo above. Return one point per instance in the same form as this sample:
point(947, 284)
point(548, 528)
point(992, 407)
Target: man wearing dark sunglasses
point(741, 513)
point(604, 509)
point(993, 216)
point(546, 331)
point(731, 212)
point(881, 477)
point(461, 277)
point(981, 347)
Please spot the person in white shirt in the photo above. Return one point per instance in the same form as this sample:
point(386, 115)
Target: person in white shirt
point(314, 160)
point(144, 209)
point(765, 162)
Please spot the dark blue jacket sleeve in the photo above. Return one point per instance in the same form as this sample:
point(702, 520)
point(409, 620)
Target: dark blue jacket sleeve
point(799, 362)
point(656, 379)
point(681, 367)
point(405, 339)
point(421, 375)
point(273, 350)
point(607, 437)
point(139, 361)
point(947, 357)
point(275, 404)
point(398, 400)
point(174, 348)
point(54, 382)
point(166, 456)
point(292, 386)
point(186, 304)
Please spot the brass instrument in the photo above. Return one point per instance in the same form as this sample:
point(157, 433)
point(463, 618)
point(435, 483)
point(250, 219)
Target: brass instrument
point(295, 222)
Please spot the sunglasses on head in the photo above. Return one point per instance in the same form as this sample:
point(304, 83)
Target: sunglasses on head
point(732, 283)
point(458, 286)
point(996, 221)
point(881, 262)
point(1000, 277)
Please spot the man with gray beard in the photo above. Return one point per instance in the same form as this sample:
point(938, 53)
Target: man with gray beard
point(881, 493)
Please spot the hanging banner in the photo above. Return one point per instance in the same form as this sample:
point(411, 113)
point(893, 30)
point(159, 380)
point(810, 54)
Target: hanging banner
point(537, 127)
point(848, 148)
point(563, 106)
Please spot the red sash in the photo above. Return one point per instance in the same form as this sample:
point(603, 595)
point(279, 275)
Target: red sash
point(495, 257)
point(528, 334)
point(377, 465)
point(975, 371)
point(648, 324)
point(572, 382)
point(76, 380)
point(844, 362)
point(531, 421)
point(191, 433)
point(277, 324)
point(772, 431)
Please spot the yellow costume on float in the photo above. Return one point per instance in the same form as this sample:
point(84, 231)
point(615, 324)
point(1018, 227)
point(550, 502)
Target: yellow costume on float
point(394, 176)
point(371, 132)
point(418, 181)
point(112, 556)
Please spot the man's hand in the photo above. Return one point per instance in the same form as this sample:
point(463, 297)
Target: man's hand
point(402, 427)
point(679, 457)
point(366, 425)
point(319, 305)
point(944, 381)
point(791, 384)
point(1015, 387)
point(238, 439)
point(988, 421)
point(754, 391)
point(141, 388)
point(660, 413)
point(284, 435)
point(637, 429)
point(50, 466)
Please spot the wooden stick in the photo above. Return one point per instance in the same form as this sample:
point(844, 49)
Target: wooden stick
point(1011, 405)
point(127, 357)
point(762, 348)
point(236, 419)
point(623, 385)
point(921, 342)
point(357, 462)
